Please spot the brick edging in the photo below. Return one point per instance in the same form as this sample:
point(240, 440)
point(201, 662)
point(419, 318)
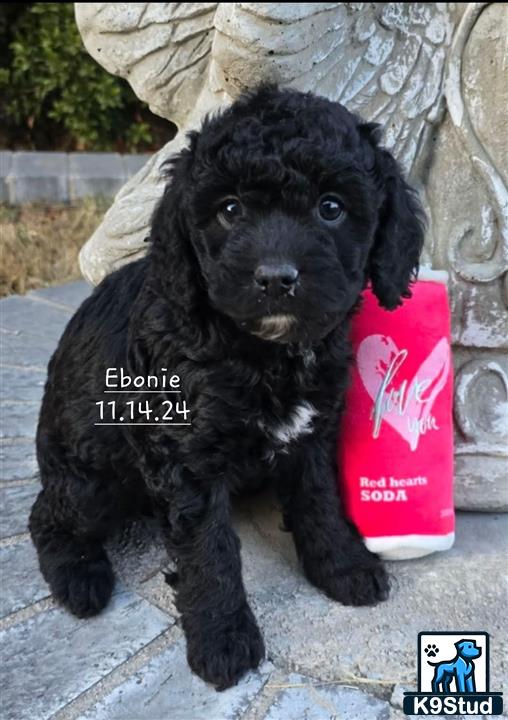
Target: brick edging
point(64, 177)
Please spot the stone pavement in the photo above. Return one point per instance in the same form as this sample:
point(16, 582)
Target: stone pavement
point(324, 661)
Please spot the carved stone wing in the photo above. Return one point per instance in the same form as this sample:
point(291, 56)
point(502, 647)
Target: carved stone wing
point(162, 49)
point(382, 60)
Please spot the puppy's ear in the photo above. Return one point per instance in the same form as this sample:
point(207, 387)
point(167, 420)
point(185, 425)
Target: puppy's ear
point(172, 254)
point(394, 258)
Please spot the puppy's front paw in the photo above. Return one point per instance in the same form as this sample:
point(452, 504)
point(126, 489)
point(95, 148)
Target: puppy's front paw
point(361, 586)
point(221, 650)
point(365, 584)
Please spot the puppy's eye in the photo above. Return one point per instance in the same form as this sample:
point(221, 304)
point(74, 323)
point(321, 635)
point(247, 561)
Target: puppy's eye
point(230, 210)
point(330, 208)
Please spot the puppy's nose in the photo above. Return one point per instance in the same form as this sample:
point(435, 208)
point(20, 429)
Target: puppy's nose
point(276, 279)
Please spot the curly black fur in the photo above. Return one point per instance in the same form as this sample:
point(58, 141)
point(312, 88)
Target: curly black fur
point(264, 395)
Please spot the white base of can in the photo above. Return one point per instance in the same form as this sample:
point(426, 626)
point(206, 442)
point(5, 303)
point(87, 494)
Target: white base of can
point(406, 547)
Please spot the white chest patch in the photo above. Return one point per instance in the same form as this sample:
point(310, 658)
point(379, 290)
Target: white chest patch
point(299, 423)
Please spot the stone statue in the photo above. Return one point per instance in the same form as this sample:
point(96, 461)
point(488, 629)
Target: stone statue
point(432, 74)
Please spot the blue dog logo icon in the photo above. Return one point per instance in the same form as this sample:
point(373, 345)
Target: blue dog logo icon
point(458, 686)
point(461, 669)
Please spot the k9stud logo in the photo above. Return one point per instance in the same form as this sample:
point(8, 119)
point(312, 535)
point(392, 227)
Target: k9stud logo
point(453, 676)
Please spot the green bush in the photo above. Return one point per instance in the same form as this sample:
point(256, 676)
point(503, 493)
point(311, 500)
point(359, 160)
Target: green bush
point(54, 95)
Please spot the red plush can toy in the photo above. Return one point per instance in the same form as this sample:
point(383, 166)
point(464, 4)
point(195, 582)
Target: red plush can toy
point(395, 446)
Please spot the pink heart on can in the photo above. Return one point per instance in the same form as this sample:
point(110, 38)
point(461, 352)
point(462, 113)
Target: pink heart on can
point(404, 403)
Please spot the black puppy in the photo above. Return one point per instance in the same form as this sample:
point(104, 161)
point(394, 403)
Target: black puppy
point(275, 218)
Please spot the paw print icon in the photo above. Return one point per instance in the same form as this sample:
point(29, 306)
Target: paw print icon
point(431, 650)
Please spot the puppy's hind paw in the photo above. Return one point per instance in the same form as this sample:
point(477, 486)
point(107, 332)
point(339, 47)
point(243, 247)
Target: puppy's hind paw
point(221, 651)
point(84, 587)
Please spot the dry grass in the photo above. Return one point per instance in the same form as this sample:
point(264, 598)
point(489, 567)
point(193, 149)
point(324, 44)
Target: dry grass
point(39, 244)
